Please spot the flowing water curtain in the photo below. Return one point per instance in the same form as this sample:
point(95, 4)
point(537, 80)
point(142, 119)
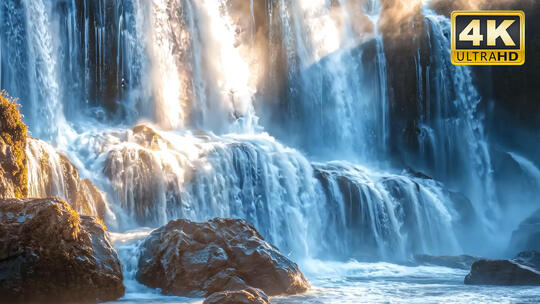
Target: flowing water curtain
point(336, 78)
point(452, 129)
point(200, 178)
point(74, 59)
point(338, 210)
point(30, 63)
point(53, 174)
point(14, 68)
point(202, 74)
point(385, 216)
point(107, 59)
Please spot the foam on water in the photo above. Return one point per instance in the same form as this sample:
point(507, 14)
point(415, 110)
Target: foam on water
point(354, 282)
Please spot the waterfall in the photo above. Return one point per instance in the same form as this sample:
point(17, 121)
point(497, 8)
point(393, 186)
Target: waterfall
point(335, 209)
point(386, 215)
point(451, 139)
point(528, 167)
point(276, 112)
point(34, 53)
point(202, 73)
point(336, 80)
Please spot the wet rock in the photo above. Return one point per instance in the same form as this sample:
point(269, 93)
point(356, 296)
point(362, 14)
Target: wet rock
point(523, 270)
point(48, 253)
point(148, 137)
point(246, 296)
point(196, 259)
point(459, 261)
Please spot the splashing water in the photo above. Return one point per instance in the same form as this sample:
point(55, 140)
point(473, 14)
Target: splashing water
point(337, 209)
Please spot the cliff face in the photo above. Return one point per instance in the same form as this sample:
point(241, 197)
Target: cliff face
point(13, 162)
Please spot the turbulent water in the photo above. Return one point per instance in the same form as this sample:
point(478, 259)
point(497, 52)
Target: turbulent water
point(274, 111)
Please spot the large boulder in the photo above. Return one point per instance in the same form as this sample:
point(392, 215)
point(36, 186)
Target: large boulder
point(246, 296)
point(523, 270)
point(48, 253)
point(197, 259)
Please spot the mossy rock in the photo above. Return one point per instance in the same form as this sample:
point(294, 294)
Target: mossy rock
point(13, 134)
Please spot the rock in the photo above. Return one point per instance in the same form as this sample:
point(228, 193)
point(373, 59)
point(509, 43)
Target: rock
point(148, 137)
point(53, 174)
point(527, 235)
point(523, 270)
point(132, 171)
point(13, 173)
point(246, 296)
point(195, 259)
point(50, 253)
point(529, 258)
point(460, 261)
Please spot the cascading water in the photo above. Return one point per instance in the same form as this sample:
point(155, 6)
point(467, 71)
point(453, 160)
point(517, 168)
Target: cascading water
point(451, 132)
point(159, 176)
point(337, 79)
point(202, 74)
point(37, 31)
point(187, 74)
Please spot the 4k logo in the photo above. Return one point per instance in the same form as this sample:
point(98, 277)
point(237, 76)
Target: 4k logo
point(488, 38)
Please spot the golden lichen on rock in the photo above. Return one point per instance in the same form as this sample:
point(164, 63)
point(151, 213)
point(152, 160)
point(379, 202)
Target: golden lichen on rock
point(13, 134)
point(100, 221)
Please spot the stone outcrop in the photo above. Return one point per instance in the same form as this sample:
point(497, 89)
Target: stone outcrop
point(522, 270)
point(198, 259)
point(13, 173)
point(246, 296)
point(48, 253)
